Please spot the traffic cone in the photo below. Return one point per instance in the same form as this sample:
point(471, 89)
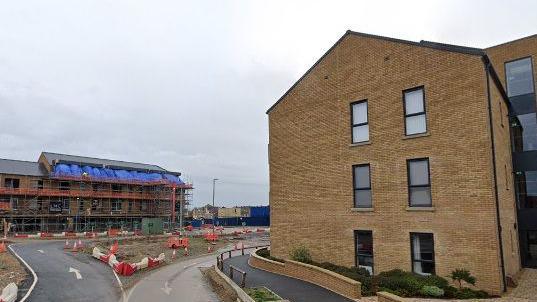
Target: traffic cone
point(235, 247)
point(2, 247)
point(173, 254)
point(186, 251)
point(75, 248)
point(66, 246)
point(209, 249)
point(80, 245)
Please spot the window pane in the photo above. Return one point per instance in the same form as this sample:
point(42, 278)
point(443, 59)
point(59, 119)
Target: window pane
point(361, 177)
point(364, 249)
point(524, 132)
point(526, 183)
point(414, 102)
point(418, 172)
point(416, 124)
point(519, 77)
point(359, 113)
point(420, 196)
point(360, 134)
point(362, 198)
point(423, 253)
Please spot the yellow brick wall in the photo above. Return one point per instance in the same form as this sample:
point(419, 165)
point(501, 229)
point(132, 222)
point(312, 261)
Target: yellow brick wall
point(311, 193)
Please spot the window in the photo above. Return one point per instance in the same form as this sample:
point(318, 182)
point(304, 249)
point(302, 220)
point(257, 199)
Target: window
point(524, 132)
point(419, 183)
point(519, 77)
point(526, 183)
point(359, 122)
point(362, 186)
point(364, 249)
point(66, 203)
point(11, 183)
point(37, 184)
point(116, 205)
point(81, 205)
point(95, 204)
point(116, 188)
point(65, 185)
point(131, 203)
point(14, 202)
point(422, 250)
point(414, 107)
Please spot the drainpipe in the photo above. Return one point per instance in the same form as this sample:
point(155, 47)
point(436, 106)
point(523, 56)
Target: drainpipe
point(491, 127)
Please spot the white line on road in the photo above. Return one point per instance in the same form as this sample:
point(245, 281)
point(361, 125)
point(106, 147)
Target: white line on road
point(123, 296)
point(41, 251)
point(31, 271)
point(167, 289)
point(77, 273)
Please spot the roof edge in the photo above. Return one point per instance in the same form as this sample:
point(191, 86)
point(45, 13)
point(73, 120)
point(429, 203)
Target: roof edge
point(98, 158)
point(512, 41)
point(427, 44)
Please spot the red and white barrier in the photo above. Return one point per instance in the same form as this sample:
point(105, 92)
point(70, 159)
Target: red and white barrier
point(9, 293)
point(126, 269)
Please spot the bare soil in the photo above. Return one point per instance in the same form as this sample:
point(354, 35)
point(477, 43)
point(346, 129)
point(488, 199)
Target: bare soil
point(224, 292)
point(11, 270)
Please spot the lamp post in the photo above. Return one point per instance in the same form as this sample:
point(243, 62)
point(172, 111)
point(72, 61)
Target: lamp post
point(214, 215)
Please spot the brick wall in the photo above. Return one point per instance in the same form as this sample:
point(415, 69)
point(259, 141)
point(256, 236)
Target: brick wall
point(311, 158)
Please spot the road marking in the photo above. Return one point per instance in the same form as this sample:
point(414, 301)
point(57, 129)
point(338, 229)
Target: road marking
point(77, 272)
point(29, 268)
point(167, 289)
point(190, 265)
point(41, 251)
point(124, 297)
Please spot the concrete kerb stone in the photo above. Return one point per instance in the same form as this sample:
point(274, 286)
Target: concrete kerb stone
point(241, 294)
point(9, 293)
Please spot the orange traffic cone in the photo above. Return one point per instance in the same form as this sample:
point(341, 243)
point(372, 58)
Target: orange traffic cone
point(186, 251)
point(114, 248)
point(209, 249)
point(2, 247)
point(80, 245)
point(75, 248)
point(66, 246)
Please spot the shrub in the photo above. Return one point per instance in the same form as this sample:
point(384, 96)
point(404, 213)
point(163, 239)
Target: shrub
point(431, 291)
point(468, 293)
point(460, 275)
point(301, 254)
point(265, 253)
point(406, 284)
point(356, 273)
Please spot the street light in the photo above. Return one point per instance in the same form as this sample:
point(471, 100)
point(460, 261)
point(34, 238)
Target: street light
point(214, 215)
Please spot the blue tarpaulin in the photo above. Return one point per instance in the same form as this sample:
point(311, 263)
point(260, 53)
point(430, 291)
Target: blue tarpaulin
point(63, 170)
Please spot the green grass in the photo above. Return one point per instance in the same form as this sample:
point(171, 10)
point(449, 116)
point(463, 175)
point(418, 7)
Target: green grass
point(261, 294)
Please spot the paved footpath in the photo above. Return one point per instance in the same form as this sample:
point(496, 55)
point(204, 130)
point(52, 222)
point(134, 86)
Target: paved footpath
point(55, 283)
point(288, 288)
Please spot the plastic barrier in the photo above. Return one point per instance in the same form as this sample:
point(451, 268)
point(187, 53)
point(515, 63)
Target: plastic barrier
point(9, 293)
point(124, 268)
point(113, 232)
point(2, 247)
point(174, 242)
point(152, 262)
point(114, 248)
point(211, 237)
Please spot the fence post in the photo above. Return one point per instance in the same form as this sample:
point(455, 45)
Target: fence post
point(242, 249)
point(231, 272)
point(229, 254)
point(243, 282)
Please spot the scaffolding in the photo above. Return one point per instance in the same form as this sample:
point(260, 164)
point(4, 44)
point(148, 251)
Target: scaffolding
point(63, 203)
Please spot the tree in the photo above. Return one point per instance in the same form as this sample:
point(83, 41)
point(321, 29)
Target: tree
point(460, 275)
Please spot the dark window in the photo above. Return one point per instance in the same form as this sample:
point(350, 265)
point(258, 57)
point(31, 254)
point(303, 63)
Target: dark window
point(526, 183)
point(64, 185)
point(414, 107)
point(81, 205)
point(419, 182)
point(14, 202)
point(11, 183)
point(116, 205)
point(143, 206)
point(116, 188)
point(130, 205)
point(364, 249)
point(524, 132)
point(531, 247)
point(422, 249)
point(359, 122)
point(66, 203)
point(94, 204)
point(519, 76)
point(362, 186)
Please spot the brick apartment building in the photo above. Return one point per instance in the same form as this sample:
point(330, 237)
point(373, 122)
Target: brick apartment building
point(61, 192)
point(420, 156)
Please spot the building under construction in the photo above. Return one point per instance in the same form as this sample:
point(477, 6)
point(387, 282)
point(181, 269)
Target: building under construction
point(63, 192)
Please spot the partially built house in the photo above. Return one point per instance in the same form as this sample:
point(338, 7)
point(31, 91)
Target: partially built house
point(63, 192)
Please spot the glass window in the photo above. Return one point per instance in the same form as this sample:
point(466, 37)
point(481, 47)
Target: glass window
point(360, 125)
point(11, 183)
point(116, 205)
point(362, 186)
point(364, 249)
point(526, 183)
point(419, 186)
point(519, 75)
point(524, 132)
point(422, 249)
point(415, 115)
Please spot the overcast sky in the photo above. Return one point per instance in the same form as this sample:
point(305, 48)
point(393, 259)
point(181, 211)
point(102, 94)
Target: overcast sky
point(186, 84)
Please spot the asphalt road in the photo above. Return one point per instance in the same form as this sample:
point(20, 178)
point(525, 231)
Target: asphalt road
point(55, 281)
point(288, 288)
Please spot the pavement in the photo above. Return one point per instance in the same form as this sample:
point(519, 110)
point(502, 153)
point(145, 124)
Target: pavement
point(288, 288)
point(67, 276)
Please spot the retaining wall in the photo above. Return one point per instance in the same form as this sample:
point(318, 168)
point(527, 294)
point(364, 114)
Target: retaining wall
point(337, 283)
